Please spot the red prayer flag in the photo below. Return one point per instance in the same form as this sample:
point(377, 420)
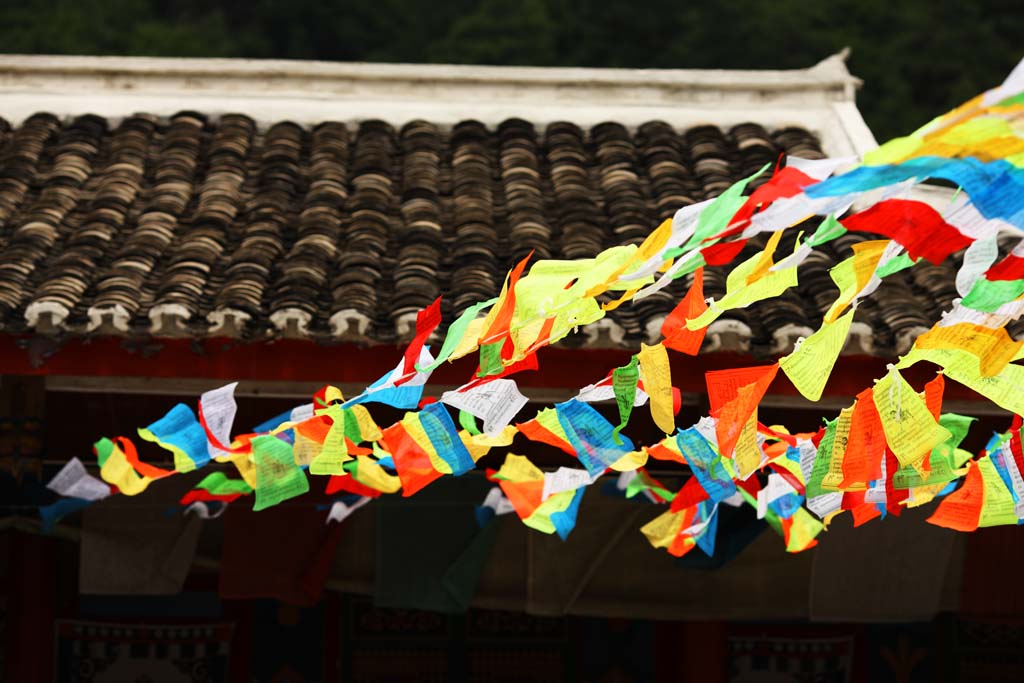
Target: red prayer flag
point(1010, 268)
point(916, 226)
point(723, 253)
point(427, 321)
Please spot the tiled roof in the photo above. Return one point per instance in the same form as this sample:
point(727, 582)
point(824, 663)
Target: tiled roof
point(214, 226)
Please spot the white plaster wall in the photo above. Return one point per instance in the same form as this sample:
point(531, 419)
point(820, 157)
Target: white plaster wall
point(820, 98)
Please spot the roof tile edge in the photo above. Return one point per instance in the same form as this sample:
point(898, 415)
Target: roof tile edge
point(831, 73)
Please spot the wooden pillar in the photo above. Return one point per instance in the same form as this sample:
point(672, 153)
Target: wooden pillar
point(32, 607)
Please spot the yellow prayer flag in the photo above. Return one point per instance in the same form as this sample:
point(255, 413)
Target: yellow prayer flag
point(479, 445)
point(809, 365)
point(853, 274)
point(305, 449)
point(747, 454)
point(657, 376)
point(662, 530)
point(993, 346)
point(369, 473)
point(739, 294)
point(909, 427)
point(518, 468)
point(334, 452)
point(630, 461)
point(368, 429)
point(470, 339)
point(834, 477)
point(245, 466)
point(119, 472)
point(997, 505)
point(764, 259)
point(1003, 389)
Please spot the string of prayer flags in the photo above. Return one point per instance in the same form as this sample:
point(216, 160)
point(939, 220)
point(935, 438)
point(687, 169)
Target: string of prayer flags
point(891, 448)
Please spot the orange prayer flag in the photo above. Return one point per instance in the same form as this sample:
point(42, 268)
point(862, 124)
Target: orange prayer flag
point(316, 428)
point(933, 395)
point(535, 431)
point(724, 385)
point(683, 543)
point(503, 317)
point(734, 395)
point(677, 337)
point(132, 456)
point(961, 510)
point(412, 463)
point(662, 452)
point(864, 513)
point(933, 399)
point(525, 496)
point(865, 444)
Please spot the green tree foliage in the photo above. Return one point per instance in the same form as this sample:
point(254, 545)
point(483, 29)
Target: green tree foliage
point(917, 57)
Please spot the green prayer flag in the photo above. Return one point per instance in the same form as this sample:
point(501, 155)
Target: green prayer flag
point(219, 484)
point(715, 217)
point(988, 295)
point(104, 447)
point(895, 265)
point(278, 478)
point(624, 381)
point(822, 460)
point(468, 422)
point(455, 333)
point(829, 230)
point(490, 359)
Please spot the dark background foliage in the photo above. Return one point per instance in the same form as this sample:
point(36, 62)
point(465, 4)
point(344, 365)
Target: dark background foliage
point(918, 58)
